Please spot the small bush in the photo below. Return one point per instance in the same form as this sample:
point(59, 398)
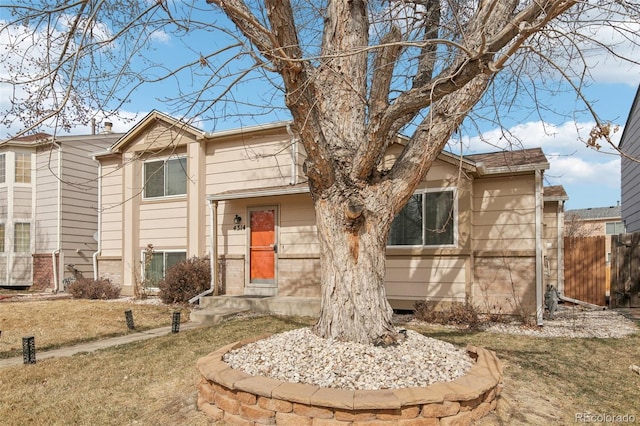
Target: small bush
point(185, 280)
point(456, 313)
point(85, 288)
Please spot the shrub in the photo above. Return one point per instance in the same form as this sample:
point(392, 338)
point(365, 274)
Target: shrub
point(456, 313)
point(185, 280)
point(85, 288)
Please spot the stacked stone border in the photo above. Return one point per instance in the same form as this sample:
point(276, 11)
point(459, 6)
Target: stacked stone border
point(237, 398)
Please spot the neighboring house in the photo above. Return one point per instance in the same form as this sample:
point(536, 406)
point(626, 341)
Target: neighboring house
point(48, 208)
point(595, 221)
point(473, 231)
point(630, 168)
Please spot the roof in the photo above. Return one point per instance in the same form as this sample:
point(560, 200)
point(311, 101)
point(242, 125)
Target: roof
point(27, 140)
point(148, 120)
point(555, 193)
point(510, 159)
point(301, 188)
point(596, 213)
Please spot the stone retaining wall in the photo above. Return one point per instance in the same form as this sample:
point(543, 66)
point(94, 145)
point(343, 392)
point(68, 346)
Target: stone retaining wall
point(237, 398)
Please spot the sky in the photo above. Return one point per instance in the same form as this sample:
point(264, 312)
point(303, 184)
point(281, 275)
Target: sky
point(590, 177)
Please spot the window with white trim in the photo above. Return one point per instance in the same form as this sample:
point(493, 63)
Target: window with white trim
point(428, 219)
point(3, 168)
point(23, 167)
point(613, 228)
point(22, 237)
point(1, 237)
point(165, 178)
point(160, 263)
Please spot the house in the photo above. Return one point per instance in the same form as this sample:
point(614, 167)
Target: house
point(630, 168)
point(171, 191)
point(48, 208)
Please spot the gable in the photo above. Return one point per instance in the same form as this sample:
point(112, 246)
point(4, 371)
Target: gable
point(157, 132)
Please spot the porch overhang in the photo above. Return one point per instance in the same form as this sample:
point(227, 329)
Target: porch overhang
point(273, 191)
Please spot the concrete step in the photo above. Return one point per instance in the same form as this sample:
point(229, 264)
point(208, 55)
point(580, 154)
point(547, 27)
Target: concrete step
point(213, 315)
point(279, 305)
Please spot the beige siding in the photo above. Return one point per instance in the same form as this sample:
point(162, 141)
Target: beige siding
point(112, 201)
point(298, 233)
point(22, 202)
point(236, 164)
point(504, 213)
point(163, 224)
point(434, 277)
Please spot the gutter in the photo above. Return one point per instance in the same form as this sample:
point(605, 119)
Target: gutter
point(213, 254)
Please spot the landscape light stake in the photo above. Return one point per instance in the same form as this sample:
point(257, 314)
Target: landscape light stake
point(129, 316)
point(175, 324)
point(29, 350)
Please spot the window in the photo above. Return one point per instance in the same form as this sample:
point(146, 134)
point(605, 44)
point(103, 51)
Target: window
point(160, 263)
point(165, 178)
point(23, 167)
point(428, 219)
point(1, 237)
point(613, 228)
point(22, 238)
point(3, 168)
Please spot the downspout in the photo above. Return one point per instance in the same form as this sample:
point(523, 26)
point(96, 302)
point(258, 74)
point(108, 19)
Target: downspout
point(99, 233)
point(294, 154)
point(56, 277)
point(539, 265)
point(213, 254)
point(560, 247)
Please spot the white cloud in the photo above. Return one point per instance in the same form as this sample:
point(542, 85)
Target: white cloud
point(572, 169)
point(160, 36)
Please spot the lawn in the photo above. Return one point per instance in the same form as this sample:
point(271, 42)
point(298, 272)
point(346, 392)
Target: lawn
point(547, 381)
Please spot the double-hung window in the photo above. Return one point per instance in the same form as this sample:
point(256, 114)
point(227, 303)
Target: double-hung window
point(165, 178)
point(3, 168)
point(428, 219)
point(2, 238)
point(23, 167)
point(160, 263)
point(22, 237)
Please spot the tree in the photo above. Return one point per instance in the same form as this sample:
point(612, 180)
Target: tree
point(353, 74)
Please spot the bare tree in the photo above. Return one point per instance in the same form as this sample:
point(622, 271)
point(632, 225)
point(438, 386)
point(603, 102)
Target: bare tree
point(353, 75)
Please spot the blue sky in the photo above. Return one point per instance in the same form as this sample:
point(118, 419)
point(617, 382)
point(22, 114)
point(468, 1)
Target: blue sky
point(591, 178)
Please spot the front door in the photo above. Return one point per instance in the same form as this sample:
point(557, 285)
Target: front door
point(262, 250)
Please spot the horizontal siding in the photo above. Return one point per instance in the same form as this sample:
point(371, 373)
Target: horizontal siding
point(22, 202)
point(435, 278)
point(163, 224)
point(112, 200)
point(504, 213)
point(232, 166)
point(630, 170)
point(298, 232)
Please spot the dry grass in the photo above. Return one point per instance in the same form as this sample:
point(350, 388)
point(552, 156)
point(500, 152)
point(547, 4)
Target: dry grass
point(547, 381)
point(65, 322)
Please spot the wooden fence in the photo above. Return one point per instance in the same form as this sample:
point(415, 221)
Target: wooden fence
point(625, 271)
point(585, 269)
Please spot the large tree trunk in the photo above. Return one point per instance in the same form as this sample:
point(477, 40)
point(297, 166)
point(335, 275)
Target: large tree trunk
point(353, 237)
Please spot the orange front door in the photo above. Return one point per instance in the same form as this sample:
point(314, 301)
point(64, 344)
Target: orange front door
point(262, 246)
